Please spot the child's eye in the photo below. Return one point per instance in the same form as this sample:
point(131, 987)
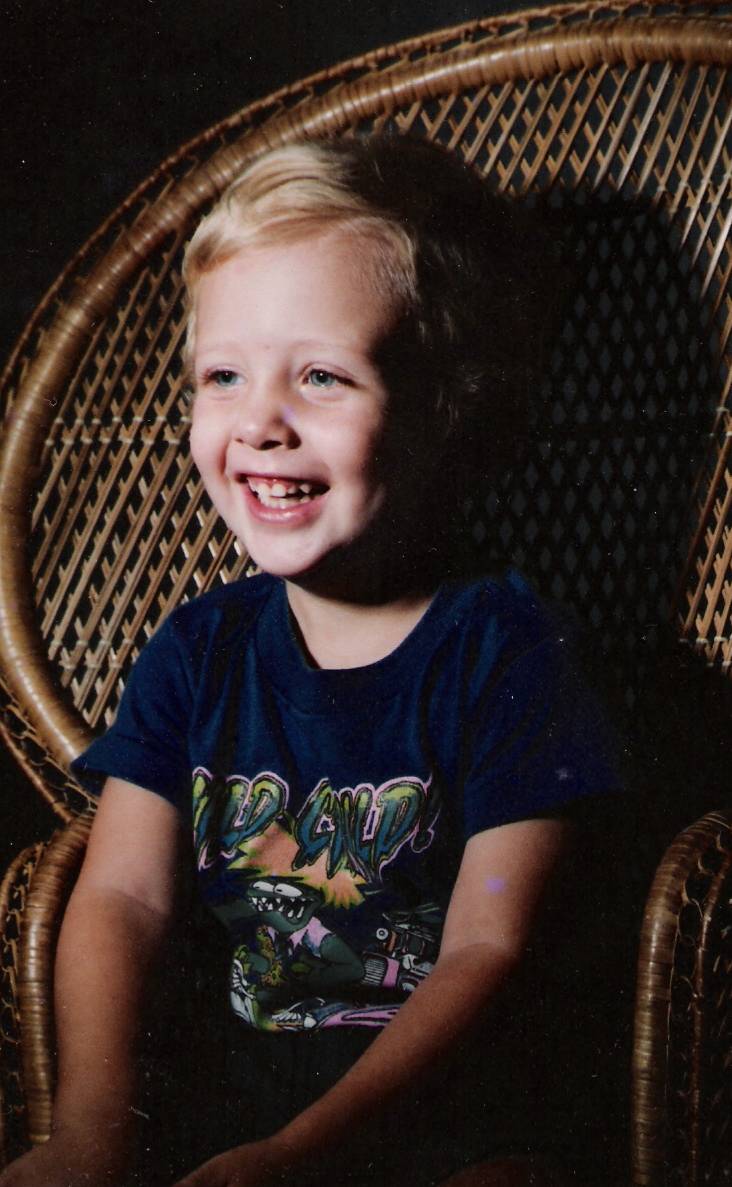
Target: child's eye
point(219, 378)
point(320, 378)
point(222, 377)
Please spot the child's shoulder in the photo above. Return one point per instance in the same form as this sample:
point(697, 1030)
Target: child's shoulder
point(234, 606)
point(504, 607)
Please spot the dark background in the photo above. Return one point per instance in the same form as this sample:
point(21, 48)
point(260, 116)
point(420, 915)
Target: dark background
point(94, 94)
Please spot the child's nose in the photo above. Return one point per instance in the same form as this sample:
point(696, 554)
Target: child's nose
point(264, 419)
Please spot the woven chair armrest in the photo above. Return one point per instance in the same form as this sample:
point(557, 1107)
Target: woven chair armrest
point(13, 894)
point(680, 1006)
point(47, 898)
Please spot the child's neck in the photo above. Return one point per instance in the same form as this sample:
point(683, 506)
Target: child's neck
point(343, 634)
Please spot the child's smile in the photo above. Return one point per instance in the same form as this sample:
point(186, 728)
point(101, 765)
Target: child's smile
point(290, 405)
point(280, 499)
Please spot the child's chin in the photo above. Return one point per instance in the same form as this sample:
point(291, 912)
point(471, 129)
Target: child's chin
point(288, 567)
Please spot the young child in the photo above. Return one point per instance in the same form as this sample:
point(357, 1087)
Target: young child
point(376, 756)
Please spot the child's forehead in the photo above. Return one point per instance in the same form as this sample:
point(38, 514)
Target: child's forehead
point(283, 246)
point(300, 266)
point(320, 288)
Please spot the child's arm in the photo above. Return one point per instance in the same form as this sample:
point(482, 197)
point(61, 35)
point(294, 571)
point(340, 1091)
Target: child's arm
point(116, 919)
point(502, 879)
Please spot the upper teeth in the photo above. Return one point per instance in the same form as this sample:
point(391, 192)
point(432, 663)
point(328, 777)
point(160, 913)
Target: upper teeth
point(265, 488)
point(290, 488)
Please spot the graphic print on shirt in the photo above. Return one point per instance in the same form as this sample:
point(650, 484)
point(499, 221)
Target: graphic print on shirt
point(271, 876)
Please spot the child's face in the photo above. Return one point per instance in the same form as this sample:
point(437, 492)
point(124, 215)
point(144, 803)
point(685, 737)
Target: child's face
point(290, 406)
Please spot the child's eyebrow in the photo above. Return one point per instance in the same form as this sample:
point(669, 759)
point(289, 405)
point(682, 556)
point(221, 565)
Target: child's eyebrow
point(350, 347)
point(353, 353)
point(216, 348)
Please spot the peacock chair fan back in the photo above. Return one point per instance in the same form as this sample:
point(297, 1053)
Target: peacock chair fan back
point(621, 117)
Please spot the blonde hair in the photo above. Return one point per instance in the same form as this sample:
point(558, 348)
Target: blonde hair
point(472, 278)
point(286, 195)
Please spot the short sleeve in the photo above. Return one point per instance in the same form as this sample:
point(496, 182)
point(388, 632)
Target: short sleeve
point(537, 741)
point(147, 744)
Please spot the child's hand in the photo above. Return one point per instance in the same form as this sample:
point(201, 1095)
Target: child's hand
point(256, 1163)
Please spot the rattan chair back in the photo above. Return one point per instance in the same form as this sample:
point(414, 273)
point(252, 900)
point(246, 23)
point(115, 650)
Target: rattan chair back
point(104, 522)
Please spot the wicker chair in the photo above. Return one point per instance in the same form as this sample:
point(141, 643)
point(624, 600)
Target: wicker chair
point(620, 114)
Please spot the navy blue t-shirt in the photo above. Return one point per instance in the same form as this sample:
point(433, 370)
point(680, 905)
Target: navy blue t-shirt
point(330, 808)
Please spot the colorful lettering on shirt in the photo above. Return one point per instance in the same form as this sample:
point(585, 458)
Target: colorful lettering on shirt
point(360, 829)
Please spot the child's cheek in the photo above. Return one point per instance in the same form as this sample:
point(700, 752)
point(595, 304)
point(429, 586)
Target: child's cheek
point(289, 416)
point(195, 444)
point(209, 458)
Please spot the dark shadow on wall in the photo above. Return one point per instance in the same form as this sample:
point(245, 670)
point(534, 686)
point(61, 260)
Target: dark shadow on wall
point(600, 513)
point(600, 516)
